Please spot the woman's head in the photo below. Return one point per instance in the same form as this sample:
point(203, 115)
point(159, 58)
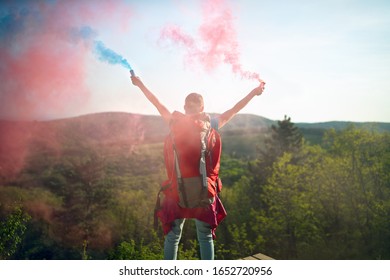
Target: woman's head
point(193, 103)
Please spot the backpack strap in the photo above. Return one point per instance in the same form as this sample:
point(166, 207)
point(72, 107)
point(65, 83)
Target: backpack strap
point(179, 178)
point(202, 163)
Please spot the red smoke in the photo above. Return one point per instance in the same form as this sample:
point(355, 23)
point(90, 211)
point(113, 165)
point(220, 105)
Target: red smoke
point(217, 38)
point(39, 83)
point(43, 66)
point(43, 69)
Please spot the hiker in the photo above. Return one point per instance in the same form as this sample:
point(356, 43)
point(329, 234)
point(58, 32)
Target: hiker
point(209, 211)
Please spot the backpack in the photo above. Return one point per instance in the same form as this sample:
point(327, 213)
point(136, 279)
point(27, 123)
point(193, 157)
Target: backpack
point(192, 153)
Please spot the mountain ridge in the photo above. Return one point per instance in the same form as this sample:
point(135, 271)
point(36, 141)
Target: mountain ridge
point(114, 133)
point(151, 128)
point(238, 120)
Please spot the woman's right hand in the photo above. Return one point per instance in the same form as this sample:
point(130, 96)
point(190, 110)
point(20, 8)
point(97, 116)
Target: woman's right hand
point(259, 90)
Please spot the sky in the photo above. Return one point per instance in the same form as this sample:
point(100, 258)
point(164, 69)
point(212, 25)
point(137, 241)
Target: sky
point(321, 60)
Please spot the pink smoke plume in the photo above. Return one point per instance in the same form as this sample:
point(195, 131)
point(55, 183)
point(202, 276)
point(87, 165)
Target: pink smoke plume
point(43, 66)
point(216, 42)
point(43, 50)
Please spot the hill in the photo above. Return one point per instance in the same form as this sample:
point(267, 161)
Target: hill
point(313, 132)
point(114, 133)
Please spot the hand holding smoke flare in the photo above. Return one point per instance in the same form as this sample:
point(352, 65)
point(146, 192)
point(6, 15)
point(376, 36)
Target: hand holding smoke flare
point(261, 87)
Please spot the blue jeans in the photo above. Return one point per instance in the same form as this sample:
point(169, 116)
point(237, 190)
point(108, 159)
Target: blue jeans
point(205, 239)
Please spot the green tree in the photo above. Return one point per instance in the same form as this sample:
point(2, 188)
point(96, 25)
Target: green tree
point(365, 155)
point(87, 198)
point(331, 204)
point(283, 138)
point(288, 224)
point(12, 230)
point(245, 200)
point(138, 250)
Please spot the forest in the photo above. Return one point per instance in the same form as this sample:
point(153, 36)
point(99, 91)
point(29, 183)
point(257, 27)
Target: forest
point(82, 191)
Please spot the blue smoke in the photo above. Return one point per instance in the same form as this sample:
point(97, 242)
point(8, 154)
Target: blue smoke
point(84, 33)
point(109, 56)
point(103, 53)
point(14, 21)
